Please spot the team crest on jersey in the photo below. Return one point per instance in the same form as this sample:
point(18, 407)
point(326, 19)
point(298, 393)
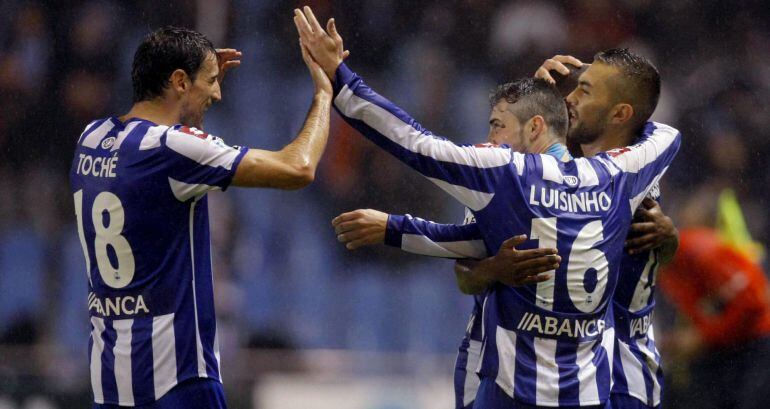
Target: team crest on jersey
point(108, 142)
point(571, 180)
point(194, 132)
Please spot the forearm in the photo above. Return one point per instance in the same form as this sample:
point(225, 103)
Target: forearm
point(305, 151)
point(470, 279)
point(422, 237)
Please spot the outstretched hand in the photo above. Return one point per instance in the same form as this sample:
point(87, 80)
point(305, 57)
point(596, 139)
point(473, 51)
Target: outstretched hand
point(326, 48)
point(362, 227)
point(227, 58)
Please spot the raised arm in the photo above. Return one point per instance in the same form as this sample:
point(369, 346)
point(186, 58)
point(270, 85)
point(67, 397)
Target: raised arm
point(293, 166)
point(468, 173)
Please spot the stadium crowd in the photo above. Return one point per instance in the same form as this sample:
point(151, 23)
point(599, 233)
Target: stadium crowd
point(282, 281)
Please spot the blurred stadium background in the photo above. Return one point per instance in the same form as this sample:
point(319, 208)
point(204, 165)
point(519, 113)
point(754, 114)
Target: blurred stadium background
point(303, 322)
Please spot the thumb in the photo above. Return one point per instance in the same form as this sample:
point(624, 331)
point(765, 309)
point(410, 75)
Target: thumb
point(514, 241)
point(345, 54)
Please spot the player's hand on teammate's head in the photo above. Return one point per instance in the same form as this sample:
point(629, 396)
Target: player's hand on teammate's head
point(326, 48)
point(650, 229)
point(557, 63)
point(362, 227)
point(227, 58)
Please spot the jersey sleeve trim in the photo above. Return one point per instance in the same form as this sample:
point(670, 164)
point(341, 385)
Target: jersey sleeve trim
point(418, 236)
point(388, 126)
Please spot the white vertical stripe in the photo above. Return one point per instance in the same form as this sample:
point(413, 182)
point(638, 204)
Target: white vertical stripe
point(94, 138)
point(472, 381)
point(151, 138)
point(123, 134)
point(518, 161)
point(506, 351)
point(96, 358)
point(637, 200)
point(632, 369)
point(163, 354)
point(198, 345)
point(586, 173)
point(589, 390)
point(608, 343)
point(652, 366)
point(551, 169)
point(547, 388)
point(86, 129)
point(216, 353)
point(122, 351)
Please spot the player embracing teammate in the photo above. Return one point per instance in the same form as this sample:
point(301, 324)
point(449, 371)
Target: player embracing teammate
point(552, 343)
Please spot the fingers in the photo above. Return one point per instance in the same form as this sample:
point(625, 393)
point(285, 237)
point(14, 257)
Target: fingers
point(358, 233)
point(346, 217)
point(643, 243)
point(538, 265)
point(312, 20)
point(306, 54)
point(345, 54)
point(643, 227)
point(555, 65)
point(568, 59)
point(303, 27)
point(535, 279)
point(535, 253)
point(514, 241)
point(543, 73)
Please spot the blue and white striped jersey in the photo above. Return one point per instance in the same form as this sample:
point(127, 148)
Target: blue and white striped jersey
point(543, 344)
point(419, 236)
point(637, 368)
point(140, 201)
point(636, 365)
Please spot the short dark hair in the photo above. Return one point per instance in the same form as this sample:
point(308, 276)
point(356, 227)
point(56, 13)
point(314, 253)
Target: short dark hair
point(641, 81)
point(535, 97)
point(162, 52)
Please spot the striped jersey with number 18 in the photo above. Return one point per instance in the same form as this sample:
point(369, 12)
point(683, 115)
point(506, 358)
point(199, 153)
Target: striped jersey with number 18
point(140, 201)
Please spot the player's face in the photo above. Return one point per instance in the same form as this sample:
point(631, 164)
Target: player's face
point(204, 92)
point(505, 128)
point(590, 104)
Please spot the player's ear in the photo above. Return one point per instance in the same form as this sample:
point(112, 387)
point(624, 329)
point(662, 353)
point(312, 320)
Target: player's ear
point(621, 113)
point(536, 126)
point(179, 81)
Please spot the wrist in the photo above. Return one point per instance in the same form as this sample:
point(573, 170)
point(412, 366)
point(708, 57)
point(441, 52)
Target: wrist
point(322, 95)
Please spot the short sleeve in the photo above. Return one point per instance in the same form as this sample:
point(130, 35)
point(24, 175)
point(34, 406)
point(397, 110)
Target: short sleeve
point(199, 162)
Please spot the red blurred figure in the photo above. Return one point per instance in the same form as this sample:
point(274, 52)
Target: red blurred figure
point(725, 294)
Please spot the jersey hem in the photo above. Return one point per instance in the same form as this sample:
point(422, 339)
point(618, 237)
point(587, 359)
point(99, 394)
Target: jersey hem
point(162, 394)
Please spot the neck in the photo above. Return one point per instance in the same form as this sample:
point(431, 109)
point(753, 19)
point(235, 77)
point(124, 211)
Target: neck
point(542, 144)
point(158, 110)
point(610, 139)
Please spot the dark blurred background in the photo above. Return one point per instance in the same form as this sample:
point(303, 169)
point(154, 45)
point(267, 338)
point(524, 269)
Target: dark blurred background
point(291, 300)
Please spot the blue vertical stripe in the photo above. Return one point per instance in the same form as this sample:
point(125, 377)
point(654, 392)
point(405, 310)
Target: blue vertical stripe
point(109, 385)
point(569, 385)
point(141, 360)
point(525, 372)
